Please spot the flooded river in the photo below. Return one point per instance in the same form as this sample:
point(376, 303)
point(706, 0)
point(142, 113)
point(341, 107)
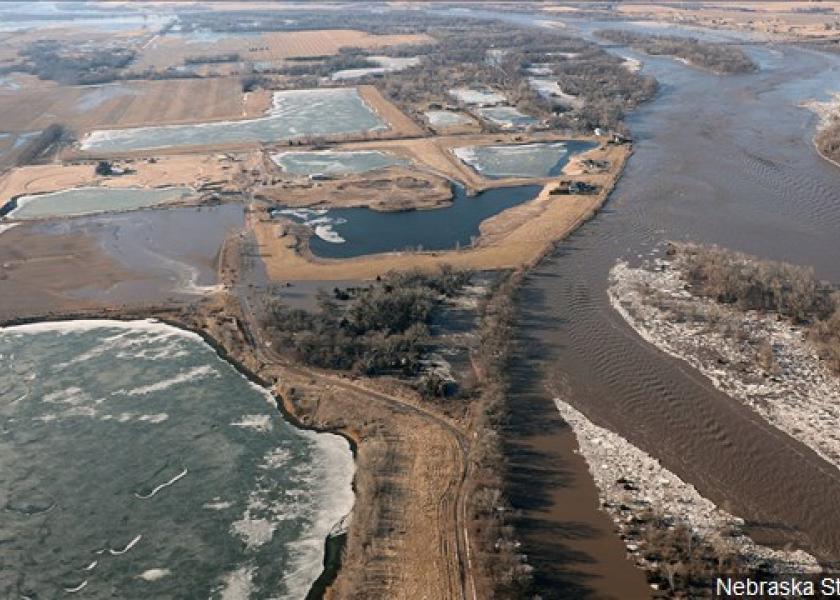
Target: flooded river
point(718, 160)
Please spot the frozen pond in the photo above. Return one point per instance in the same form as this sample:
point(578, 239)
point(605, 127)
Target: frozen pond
point(507, 117)
point(348, 232)
point(477, 97)
point(87, 200)
point(551, 90)
point(295, 113)
point(387, 64)
point(446, 118)
point(328, 162)
point(522, 160)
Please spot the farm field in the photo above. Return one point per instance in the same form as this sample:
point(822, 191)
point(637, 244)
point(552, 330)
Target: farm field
point(127, 104)
point(171, 50)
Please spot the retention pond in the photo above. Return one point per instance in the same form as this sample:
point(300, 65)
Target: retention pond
point(349, 232)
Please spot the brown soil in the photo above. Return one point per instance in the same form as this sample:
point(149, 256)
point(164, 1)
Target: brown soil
point(274, 46)
point(219, 172)
point(38, 273)
point(390, 189)
point(779, 20)
point(145, 103)
point(514, 238)
point(399, 123)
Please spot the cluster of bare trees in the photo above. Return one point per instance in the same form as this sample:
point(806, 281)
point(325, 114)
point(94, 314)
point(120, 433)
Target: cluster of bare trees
point(752, 284)
point(382, 328)
point(67, 64)
point(42, 144)
point(720, 58)
point(501, 563)
point(828, 139)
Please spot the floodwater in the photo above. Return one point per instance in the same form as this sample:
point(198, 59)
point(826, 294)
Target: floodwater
point(726, 160)
point(348, 232)
point(172, 252)
point(295, 113)
point(522, 160)
point(87, 200)
point(330, 162)
point(137, 464)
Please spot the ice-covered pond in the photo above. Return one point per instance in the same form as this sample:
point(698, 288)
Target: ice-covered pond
point(522, 160)
point(330, 162)
point(88, 200)
point(507, 117)
point(295, 113)
point(446, 118)
point(477, 97)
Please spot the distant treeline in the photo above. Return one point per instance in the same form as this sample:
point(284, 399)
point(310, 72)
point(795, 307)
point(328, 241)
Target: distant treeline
point(56, 62)
point(211, 59)
point(720, 58)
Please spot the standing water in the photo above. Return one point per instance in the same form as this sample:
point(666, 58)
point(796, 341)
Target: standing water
point(137, 464)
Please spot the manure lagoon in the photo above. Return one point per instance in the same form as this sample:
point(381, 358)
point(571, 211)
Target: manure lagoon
point(294, 114)
point(329, 162)
point(346, 232)
point(522, 160)
point(138, 464)
point(88, 200)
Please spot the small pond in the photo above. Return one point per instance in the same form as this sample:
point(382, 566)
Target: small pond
point(349, 232)
point(330, 162)
point(522, 160)
point(88, 200)
point(507, 117)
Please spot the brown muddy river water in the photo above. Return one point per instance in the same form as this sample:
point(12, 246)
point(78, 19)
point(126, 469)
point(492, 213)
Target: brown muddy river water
point(717, 160)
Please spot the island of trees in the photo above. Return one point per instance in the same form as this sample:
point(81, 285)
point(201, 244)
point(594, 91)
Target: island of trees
point(723, 59)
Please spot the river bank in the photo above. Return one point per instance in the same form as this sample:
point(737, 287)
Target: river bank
point(647, 503)
point(758, 359)
point(828, 126)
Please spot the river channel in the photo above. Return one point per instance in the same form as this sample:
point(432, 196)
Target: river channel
point(726, 160)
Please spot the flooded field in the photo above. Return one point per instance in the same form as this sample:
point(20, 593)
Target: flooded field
point(522, 160)
point(330, 162)
point(83, 201)
point(295, 113)
point(139, 464)
point(346, 232)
